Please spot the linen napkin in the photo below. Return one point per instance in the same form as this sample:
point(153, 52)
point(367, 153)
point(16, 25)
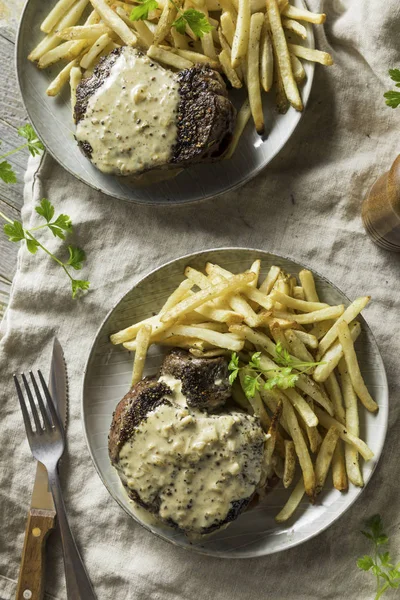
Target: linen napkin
point(306, 205)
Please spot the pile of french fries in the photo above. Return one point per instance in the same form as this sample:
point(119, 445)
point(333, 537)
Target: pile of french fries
point(253, 42)
point(217, 312)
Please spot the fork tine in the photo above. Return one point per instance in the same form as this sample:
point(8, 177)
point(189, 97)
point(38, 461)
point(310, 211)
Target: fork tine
point(25, 414)
point(43, 410)
point(50, 403)
point(34, 411)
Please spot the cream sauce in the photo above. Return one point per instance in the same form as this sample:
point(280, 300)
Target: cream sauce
point(195, 464)
point(130, 120)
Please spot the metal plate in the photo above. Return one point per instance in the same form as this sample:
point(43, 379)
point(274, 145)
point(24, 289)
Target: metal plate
point(51, 118)
point(107, 379)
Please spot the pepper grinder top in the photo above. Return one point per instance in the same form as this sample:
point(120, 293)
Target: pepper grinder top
point(381, 209)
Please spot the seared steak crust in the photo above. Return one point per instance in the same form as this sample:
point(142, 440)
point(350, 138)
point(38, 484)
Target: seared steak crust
point(206, 116)
point(132, 409)
point(205, 381)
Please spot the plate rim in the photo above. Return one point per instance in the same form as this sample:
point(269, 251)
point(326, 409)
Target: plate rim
point(197, 548)
point(250, 175)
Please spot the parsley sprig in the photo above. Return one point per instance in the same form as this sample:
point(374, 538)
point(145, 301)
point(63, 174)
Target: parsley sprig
point(285, 375)
point(196, 20)
point(34, 145)
point(60, 227)
point(380, 564)
point(393, 97)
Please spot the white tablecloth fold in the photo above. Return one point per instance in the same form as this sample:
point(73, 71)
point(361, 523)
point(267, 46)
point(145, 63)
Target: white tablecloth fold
point(306, 205)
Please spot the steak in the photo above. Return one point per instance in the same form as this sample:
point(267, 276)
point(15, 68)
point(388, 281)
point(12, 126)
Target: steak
point(200, 127)
point(205, 381)
point(195, 471)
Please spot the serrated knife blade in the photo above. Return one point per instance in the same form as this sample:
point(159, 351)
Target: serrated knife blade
point(42, 514)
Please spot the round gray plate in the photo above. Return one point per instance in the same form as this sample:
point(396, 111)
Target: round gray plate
point(51, 118)
point(107, 379)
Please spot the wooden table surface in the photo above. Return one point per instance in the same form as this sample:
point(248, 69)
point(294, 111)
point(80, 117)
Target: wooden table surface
point(12, 116)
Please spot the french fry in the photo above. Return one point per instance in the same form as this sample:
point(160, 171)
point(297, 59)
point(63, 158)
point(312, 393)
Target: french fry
point(282, 102)
point(228, 27)
point(253, 72)
point(333, 312)
point(301, 449)
point(333, 355)
point(66, 51)
point(238, 282)
point(298, 292)
point(71, 17)
point(299, 73)
point(320, 329)
point(143, 342)
point(55, 15)
point(278, 335)
point(229, 71)
point(354, 370)
point(348, 315)
point(240, 41)
point(75, 77)
point(251, 291)
point(301, 14)
point(334, 393)
point(296, 346)
point(327, 421)
point(270, 280)
point(256, 337)
point(221, 340)
point(266, 59)
point(293, 502)
point(242, 119)
point(352, 425)
point(56, 85)
point(114, 22)
point(95, 50)
point(294, 27)
point(302, 305)
point(177, 295)
point(302, 407)
point(314, 437)
point(180, 40)
point(143, 31)
point(207, 40)
point(272, 399)
point(325, 456)
point(308, 284)
point(307, 339)
point(282, 55)
point(289, 464)
point(84, 32)
point(168, 16)
point(169, 58)
point(310, 387)
point(196, 57)
point(339, 475)
point(208, 353)
point(310, 54)
point(236, 301)
point(256, 402)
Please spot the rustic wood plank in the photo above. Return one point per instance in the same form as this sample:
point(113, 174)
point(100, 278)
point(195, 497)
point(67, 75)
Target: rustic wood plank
point(12, 110)
point(12, 194)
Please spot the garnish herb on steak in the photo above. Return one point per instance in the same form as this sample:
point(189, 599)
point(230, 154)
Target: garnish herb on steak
point(133, 115)
point(196, 471)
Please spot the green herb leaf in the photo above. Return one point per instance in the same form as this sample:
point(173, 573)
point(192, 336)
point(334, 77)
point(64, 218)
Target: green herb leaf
point(255, 360)
point(196, 20)
point(14, 231)
point(7, 173)
point(76, 257)
point(251, 385)
point(79, 284)
point(392, 99)
point(141, 12)
point(32, 245)
point(395, 74)
point(233, 367)
point(365, 563)
point(35, 146)
point(60, 225)
point(45, 209)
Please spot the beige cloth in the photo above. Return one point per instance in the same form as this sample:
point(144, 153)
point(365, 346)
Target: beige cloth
point(306, 205)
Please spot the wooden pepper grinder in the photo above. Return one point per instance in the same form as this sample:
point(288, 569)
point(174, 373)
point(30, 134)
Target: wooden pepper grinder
point(381, 209)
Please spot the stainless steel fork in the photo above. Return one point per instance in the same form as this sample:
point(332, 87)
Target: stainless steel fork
point(47, 442)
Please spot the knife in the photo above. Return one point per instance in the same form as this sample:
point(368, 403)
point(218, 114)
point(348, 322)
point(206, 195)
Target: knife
point(42, 514)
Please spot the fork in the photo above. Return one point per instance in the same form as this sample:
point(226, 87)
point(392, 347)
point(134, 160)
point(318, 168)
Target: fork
point(47, 442)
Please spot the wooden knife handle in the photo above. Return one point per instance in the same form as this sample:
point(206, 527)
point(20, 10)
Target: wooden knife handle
point(31, 575)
